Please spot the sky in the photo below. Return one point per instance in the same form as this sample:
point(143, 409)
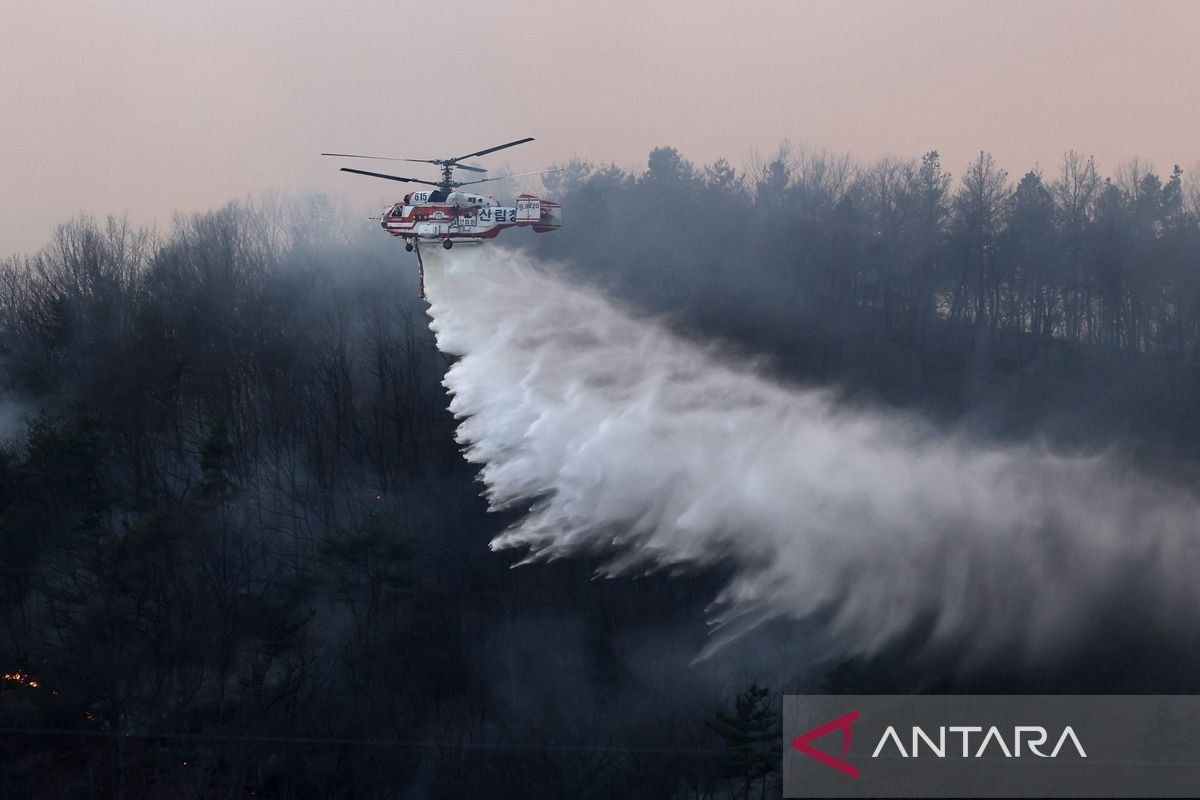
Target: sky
point(148, 107)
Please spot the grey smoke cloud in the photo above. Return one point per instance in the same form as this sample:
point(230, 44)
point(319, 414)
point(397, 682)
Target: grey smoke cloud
point(659, 453)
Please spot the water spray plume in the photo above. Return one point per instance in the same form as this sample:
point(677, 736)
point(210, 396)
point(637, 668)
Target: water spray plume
point(628, 442)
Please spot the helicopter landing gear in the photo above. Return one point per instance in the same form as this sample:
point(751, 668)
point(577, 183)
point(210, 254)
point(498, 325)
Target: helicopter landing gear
point(446, 243)
point(408, 246)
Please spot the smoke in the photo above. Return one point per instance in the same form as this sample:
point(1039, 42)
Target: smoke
point(628, 442)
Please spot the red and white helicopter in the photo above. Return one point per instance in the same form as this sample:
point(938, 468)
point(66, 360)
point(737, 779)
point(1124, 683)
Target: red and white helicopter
point(444, 214)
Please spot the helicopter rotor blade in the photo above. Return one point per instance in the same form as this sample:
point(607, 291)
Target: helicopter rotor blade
point(381, 158)
point(440, 162)
point(453, 162)
point(506, 177)
point(492, 149)
point(388, 177)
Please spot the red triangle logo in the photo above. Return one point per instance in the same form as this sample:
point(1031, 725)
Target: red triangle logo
point(843, 724)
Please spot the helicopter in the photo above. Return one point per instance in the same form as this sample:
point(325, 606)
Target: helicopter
point(444, 214)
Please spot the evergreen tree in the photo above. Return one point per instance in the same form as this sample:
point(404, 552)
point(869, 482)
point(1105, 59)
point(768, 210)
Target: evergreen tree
point(752, 739)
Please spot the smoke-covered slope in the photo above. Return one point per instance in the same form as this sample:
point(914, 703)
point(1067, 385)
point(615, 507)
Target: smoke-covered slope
point(628, 441)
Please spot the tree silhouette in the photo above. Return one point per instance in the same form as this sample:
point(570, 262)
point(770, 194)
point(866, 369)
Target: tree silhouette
point(752, 739)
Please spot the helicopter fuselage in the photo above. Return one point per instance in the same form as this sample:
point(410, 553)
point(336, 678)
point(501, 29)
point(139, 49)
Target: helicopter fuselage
point(460, 216)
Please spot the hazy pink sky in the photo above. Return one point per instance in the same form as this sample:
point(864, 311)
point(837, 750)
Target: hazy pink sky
point(155, 105)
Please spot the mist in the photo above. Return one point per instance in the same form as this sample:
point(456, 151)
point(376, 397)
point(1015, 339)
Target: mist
point(626, 441)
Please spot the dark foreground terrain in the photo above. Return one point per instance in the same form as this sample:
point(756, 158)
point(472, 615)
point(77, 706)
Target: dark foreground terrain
point(242, 556)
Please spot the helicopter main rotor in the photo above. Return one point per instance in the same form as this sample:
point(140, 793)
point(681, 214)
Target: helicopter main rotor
point(448, 165)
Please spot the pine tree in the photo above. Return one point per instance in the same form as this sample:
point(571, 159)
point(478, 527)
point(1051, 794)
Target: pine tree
point(752, 737)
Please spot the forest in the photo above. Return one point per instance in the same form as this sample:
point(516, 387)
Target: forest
point(242, 555)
